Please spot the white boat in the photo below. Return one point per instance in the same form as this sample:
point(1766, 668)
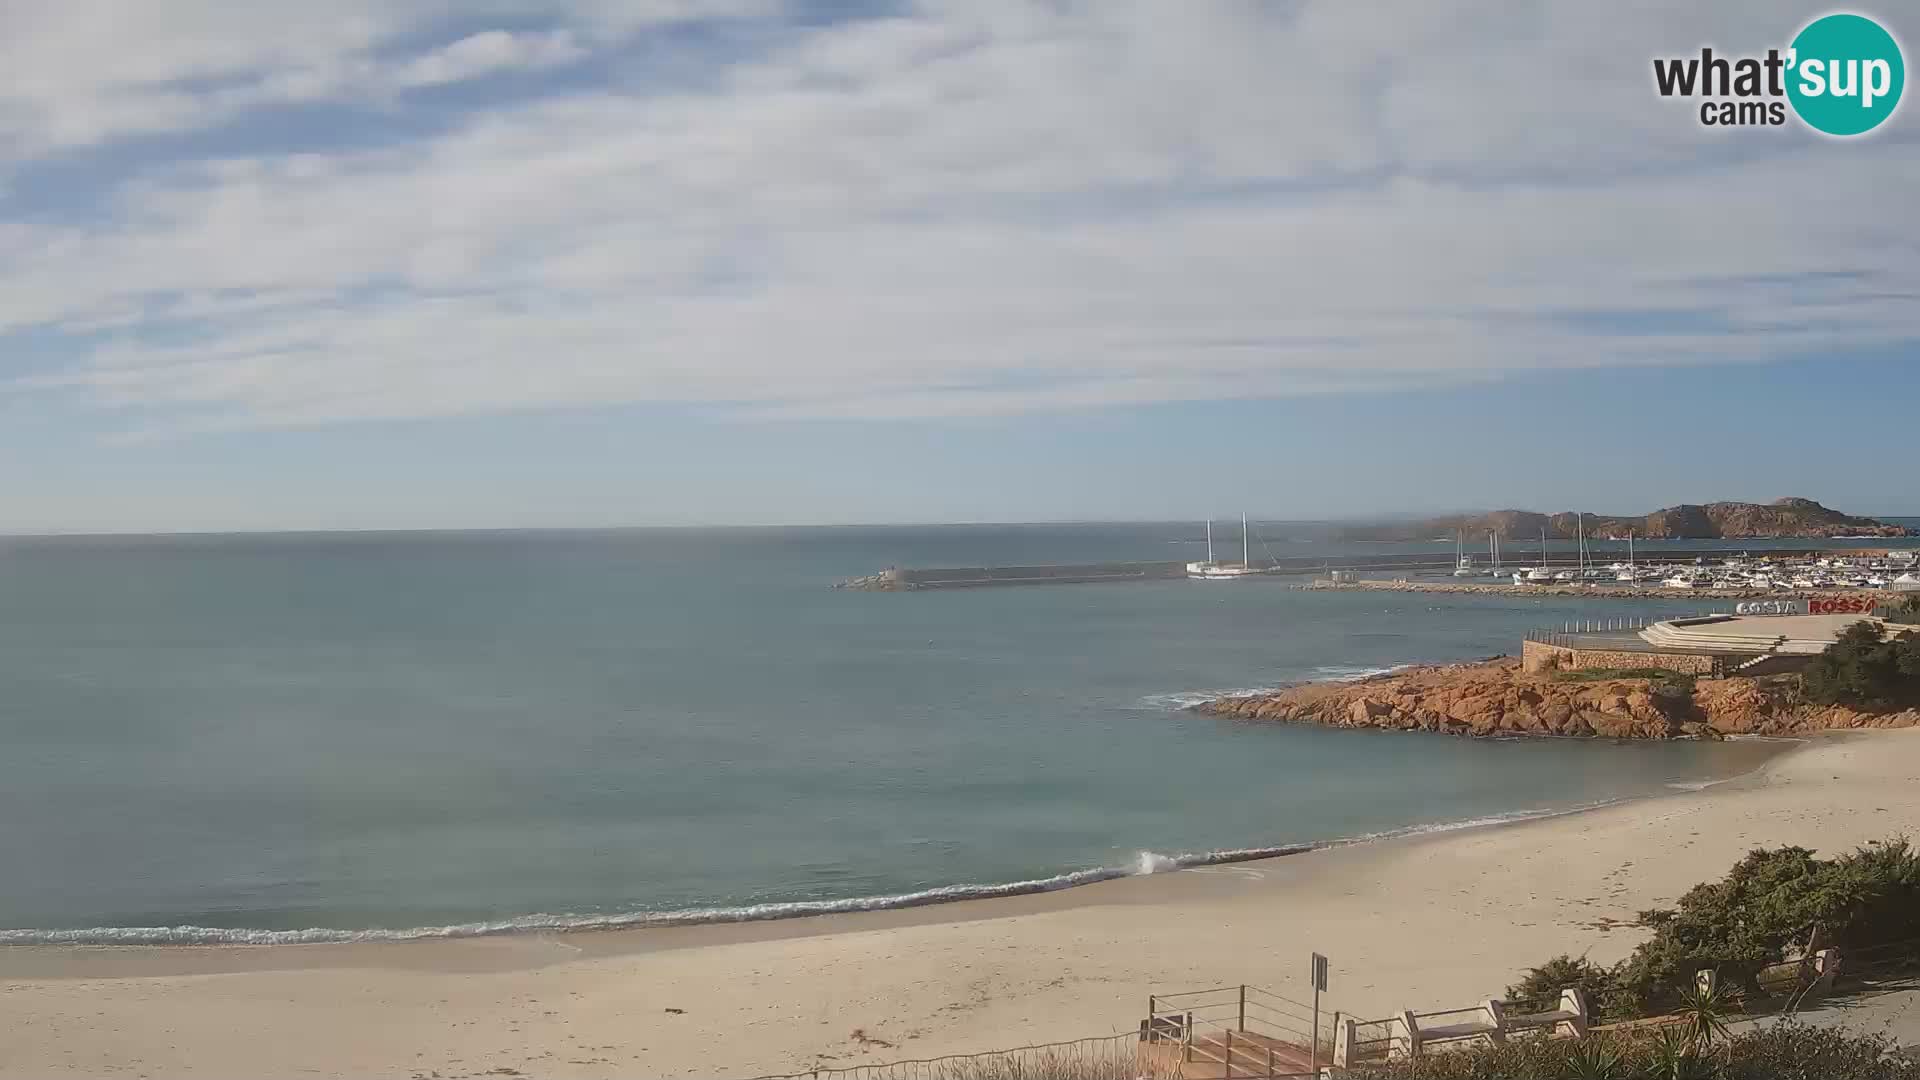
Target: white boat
point(1539, 575)
point(1679, 581)
point(1211, 570)
point(1462, 562)
point(1908, 582)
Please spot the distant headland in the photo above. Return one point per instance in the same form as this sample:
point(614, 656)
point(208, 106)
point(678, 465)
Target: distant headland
point(1791, 517)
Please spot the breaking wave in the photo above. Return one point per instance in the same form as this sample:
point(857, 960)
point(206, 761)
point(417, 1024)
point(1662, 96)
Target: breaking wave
point(1147, 862)
point(1345, 673)
point(1144, 863)
point(1186, 699)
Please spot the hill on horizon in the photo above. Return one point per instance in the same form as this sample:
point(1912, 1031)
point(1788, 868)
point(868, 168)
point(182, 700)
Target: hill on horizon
point(1788, 517)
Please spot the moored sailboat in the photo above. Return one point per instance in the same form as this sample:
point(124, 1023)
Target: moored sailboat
point(1210, 570)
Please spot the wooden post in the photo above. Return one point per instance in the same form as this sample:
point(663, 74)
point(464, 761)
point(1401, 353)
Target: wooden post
point(1226, 1065)
point(1243, 1006)
point(1269, 1062)
point(1412, 1027)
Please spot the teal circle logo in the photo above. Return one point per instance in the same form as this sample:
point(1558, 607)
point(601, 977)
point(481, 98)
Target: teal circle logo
point(1846, 74)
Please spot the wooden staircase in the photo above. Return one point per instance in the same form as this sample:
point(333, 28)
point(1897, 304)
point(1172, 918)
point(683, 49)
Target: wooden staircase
point(1229, 1033)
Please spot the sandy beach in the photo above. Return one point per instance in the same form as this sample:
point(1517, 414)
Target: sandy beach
point(1422, 922)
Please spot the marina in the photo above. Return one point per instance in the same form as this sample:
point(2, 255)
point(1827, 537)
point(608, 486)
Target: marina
point(1727, 570)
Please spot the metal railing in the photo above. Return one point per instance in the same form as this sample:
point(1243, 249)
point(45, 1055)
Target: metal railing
point(1378, 1040)
point(1565, 636)
point(1106, 1057)
point(1239, 1031)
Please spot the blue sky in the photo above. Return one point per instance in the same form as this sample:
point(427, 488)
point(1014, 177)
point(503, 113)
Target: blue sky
point(674, 262)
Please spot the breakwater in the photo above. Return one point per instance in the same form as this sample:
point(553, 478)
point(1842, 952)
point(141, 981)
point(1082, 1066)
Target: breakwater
point(894, 579)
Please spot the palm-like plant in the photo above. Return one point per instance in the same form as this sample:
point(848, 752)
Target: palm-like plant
point(1674, 1055)
point(1593, 1059)
point(1705, 1014)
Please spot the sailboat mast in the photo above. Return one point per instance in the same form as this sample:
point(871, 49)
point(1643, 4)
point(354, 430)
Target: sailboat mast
point(1246, 558)
point(1581, 528)
point(1209, 541)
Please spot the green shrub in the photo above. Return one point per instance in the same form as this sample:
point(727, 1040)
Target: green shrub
point(1776, 1052)
point(1539, 989)
point(1773, 904)
point(1795, 1052)
point(1866, 670)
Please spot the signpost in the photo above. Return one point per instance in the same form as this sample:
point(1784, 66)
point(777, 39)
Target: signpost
point(1319, 984)
point(1842, 605)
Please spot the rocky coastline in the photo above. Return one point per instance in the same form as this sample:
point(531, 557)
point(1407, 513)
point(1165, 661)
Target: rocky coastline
point(1496, 698)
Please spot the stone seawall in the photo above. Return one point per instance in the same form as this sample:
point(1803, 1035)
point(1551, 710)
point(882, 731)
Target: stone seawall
point(1538, 657)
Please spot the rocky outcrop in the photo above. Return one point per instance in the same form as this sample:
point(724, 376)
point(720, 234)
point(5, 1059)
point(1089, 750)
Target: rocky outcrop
point(1790, 517)
point(1497, 698)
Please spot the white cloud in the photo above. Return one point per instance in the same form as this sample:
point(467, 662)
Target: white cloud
point(81, 72)
point(487, 52)
point(980, 207)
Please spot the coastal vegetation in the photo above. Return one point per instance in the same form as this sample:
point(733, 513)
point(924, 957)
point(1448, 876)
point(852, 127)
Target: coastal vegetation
point(1773, 906)
point(1773, 1052)
point(1866, 669)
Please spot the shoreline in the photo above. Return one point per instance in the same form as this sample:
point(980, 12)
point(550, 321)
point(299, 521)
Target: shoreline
point(1435, 920)
point(649, 932)
point(576, 929)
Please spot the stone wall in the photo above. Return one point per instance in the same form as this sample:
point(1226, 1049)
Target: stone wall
point(1537, 657)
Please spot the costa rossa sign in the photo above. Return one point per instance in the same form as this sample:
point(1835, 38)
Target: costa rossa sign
point(1767, 607)
point(1841, 605)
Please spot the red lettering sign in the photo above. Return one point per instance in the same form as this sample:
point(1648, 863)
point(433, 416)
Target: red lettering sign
point(1841, 605)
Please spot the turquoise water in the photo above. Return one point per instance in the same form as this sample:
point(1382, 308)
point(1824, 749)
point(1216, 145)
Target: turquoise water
point(243, 738)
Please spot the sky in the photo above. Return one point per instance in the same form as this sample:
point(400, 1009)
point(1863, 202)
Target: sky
point(506, 263)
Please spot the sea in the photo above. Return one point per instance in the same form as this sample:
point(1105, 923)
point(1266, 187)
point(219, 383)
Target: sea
point(363, 736)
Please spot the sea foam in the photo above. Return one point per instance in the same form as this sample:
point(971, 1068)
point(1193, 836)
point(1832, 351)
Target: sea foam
point(1144, 863)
